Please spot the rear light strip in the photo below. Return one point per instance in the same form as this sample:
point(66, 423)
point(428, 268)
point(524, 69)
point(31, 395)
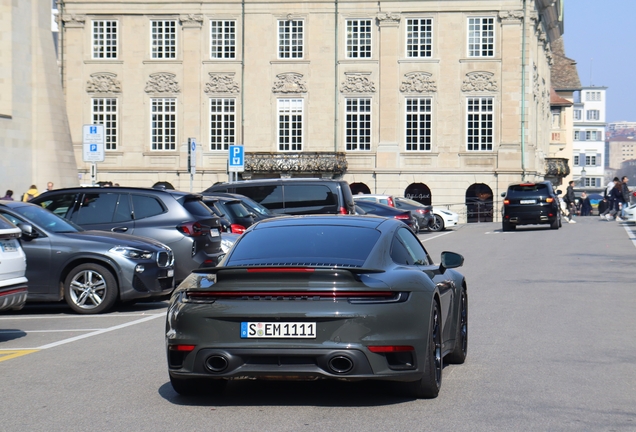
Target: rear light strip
point(351, 296)
point(390, 348)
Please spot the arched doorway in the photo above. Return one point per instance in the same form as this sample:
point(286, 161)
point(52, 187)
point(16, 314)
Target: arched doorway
point(418, 192)
point(479, 203)
point(359, 188)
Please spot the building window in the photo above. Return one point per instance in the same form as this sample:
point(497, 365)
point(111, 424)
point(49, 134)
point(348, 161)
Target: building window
point(290, 124)
point(577, 135)
point(358, 124)
point(104, 39)
point(222, 123)
point(480, 124)
point(592, 182)
point(577, 114)
point(556, 118)
point(593, 136)
point(164, 39)
point(290, 39)
point(576, 160)
point(593, 96)
point(104, 112)
point(418, 124)
point(163, 123)
point(590, 160)
point(358, 38)
point(419, 37)
point(593, 115)
point(222, 39)
point(481, 37)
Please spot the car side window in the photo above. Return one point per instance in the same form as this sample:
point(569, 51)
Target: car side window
point(145, 206)
point(399, 253)
point(61, 204)
point(297, 196)
point(14, 220)
point(123, 212)
point(97, 208)
point(270, 197)
point(413, 246)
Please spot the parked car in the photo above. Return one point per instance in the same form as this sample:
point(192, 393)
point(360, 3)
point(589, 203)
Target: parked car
point(374, 208)
point(442, 219)
point(295, 196)
point(13, 283)
point(630, 213)
point(345, 298)
point(421, 212)
point(260, 212)
point(238, 217)
point(530, 204)
point(90, 270)
point(178, 219)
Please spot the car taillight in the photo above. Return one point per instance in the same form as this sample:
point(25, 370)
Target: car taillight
point(402, 217)
point(390, 348)
point(422, 211)
point(193, 229)
point(343, 210)
point(549, 200)
point(506, 202)
point(237, 229)
point(390, 202)
point(186, 348)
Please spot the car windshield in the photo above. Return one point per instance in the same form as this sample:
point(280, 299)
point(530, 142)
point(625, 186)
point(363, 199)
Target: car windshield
point(253, 205)
point(314, 245)
point(46, 219)
point(410, 202)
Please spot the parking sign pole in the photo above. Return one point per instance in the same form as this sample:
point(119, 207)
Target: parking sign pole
point(93, 173)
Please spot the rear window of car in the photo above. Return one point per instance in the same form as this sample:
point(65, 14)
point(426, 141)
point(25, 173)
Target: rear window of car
point(299, 196)
point(197, 207)
point(527, 189)
point(314, 245)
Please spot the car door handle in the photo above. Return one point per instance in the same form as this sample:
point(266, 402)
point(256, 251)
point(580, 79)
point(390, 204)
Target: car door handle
point(119, 229)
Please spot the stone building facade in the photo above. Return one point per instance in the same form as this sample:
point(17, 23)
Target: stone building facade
point(443, 101)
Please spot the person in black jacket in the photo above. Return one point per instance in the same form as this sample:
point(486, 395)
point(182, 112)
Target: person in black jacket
point(585, 204)
point(625, 195)
point(570, 199)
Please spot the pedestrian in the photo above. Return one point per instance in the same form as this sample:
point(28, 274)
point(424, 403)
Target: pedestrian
point(586, 204)
point(570, 198)
point(31, 193)
point(615, 198)
point(625, 196)
point(8, 196)
point(607, 199)
point(49, 186)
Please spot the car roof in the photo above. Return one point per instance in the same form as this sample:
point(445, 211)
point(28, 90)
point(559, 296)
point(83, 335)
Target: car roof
point(364, 221)
point(282, 180)
point(173, 192)
point(372, 195)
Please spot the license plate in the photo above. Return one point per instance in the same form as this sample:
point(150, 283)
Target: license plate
point(170, 273)
point(283, 330)
point(8, 246)
point(527, 202)
point(214, 232)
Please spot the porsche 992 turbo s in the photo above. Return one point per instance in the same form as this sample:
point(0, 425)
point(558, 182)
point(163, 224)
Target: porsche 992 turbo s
point(310, 297)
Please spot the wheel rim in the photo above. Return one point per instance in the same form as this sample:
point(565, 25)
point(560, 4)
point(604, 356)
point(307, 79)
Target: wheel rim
point(436, 224)
point(437, 347)
point(88, 289)
point(464, 322)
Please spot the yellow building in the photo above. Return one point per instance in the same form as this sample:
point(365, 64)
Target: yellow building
point(425, 99)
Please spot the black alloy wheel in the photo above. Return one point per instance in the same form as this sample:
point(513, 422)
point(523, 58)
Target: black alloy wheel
point(437, 224)
point(458, 355)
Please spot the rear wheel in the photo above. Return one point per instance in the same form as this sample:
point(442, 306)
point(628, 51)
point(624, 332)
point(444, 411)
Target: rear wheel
point(506, 226)
point(458, 355)
point(555, 224)
point(90, 289)
point(416, 227)
point(197, 386)
point(437, 224)
point(430, 383)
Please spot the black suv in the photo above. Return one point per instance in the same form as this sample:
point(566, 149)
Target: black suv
point(296, 196)
point(180, 220)
point(530, 204)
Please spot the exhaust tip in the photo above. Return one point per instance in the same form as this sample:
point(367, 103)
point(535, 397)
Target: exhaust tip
point(340, 364)
point(216, 363)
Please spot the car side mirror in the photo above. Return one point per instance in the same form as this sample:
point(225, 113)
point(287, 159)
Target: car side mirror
point(27, 231)
point(559, 192)
point(450, 260)
point(503, 194)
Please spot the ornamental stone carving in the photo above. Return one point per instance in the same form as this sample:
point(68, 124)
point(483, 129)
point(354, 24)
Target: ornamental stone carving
point(221, 83)
point(289, 82)
point(334, 163)
point(418, 82)
point(103, 82)
point(357, 83)
point(480, 81)
point(191, 20)
point(162, 82)
point(516, 15)
point(73, 21)
point(388, 19)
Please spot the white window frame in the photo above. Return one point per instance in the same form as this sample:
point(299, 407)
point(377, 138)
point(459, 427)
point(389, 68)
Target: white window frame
point(290, 124)
point(163, 124)
point(419, 37)
point(576, 115)
point(163, 39)
point(481, 41)
point(222, 123)
point(418, 128)
point(482, 137)
point(291, 39)
point(590, 160)
point(576, 160)
point(358, 126)
point(104, 39)
point(359, 38)
point(104, 111)
point(222, 39)
point(577, 135)
point(593, 114)
point(592, 182)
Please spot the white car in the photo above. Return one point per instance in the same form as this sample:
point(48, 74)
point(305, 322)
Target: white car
point(13, 284)
point(630, 214)
point(443, 219)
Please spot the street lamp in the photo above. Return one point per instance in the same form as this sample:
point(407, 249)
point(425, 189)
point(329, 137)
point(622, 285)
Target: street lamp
point(583, 173)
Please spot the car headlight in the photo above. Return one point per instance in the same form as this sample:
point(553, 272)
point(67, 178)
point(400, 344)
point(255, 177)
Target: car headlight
point(132, 253)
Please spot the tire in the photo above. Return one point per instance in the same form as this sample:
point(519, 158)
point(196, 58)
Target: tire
point(90, 289)
point(416, 227)
point(458, 355)
point(506, 226)
point(429, 385)
point(197, 386)
point(437, 224)
point(555, 224)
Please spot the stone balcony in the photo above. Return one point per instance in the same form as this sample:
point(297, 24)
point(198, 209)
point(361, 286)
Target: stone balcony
point(325, 164)
point(556, 168)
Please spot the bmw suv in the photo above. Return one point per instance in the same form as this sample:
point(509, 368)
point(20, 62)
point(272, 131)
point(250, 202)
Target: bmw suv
point(530, 204)
point(178, 219)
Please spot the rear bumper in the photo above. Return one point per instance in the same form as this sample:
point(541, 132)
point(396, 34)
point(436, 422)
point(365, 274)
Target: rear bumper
point(13, 297)
point(535, 216)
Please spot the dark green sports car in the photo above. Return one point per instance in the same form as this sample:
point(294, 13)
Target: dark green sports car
point(308, 297)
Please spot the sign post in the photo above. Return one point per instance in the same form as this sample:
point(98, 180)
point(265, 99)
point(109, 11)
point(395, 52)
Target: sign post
point(236, 161)
point(93, 146)
point(192, 159)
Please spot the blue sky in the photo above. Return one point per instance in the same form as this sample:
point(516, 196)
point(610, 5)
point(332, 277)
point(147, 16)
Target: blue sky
point(601, 37)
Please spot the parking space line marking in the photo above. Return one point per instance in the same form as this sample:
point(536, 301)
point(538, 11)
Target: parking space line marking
point(6, 355)
point(630, 234)
point(45, 331)
point(98, 332)
point(438, 235)
point(17, 317)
